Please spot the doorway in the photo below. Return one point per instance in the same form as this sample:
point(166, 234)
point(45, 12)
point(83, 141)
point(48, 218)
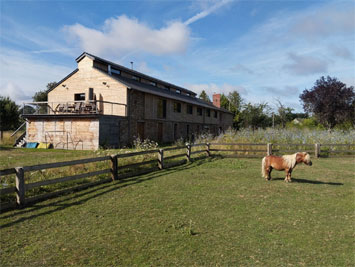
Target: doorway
point(140, 130)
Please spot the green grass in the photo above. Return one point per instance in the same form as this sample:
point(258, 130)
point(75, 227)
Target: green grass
point(209, 212)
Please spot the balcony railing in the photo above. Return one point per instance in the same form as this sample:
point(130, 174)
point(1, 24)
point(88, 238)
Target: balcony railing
point(74, 107)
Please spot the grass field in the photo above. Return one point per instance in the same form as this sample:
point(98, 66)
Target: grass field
point(210, 212)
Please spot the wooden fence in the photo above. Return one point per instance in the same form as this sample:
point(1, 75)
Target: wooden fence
point(237, 150)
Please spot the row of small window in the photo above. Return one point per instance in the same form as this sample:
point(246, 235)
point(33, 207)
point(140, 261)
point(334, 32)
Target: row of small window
point(161, 108)
point(138, 79)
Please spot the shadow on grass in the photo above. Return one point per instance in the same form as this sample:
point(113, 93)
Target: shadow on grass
point(97, 190)
point(5, 147)
point(305, 181)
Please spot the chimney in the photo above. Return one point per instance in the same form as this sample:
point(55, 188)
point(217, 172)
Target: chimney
point(217, 100)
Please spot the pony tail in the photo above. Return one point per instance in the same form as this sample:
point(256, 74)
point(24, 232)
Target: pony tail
point(263, 173)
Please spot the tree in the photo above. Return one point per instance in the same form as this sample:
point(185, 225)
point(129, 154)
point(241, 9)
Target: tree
point(42, 96)
point(9, 114)
point(204, 96)
point(255, 116)
point(235, 101)
point(330, 101)
point(232, 103)
point(284, 114)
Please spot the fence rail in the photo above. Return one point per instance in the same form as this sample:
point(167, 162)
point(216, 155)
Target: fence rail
point(161, 162)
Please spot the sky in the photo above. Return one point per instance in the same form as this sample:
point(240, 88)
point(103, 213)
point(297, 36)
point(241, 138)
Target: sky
point(268, 51)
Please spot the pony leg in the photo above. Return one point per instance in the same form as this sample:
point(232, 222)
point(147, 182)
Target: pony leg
point(268, 171)
point(288, 176)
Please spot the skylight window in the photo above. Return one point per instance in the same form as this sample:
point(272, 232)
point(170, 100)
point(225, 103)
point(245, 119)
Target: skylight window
point(136, 78)
point(115, 71)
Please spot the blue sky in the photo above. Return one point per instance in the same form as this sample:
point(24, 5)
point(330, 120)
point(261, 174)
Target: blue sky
point(266, 50)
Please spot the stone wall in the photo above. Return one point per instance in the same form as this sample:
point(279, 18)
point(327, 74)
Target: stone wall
point(78, 132)
point(65, 133)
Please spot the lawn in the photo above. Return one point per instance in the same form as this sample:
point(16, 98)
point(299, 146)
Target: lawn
point(209, 212)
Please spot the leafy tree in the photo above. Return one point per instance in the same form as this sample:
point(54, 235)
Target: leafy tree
point(255, 116)
point(225, 102)
point(9, 114)
point(204, 96)
point(233, 103)
point(330, 101)
point(41, 96)
point(284, 114)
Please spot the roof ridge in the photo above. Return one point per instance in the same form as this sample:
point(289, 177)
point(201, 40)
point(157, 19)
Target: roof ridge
point(132, 71)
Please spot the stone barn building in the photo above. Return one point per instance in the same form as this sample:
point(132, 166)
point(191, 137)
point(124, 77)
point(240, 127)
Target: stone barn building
point(105, 104)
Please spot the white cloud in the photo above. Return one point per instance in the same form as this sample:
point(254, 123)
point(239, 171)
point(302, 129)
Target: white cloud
point(286, 91)
point(341, 51)
point(305, 65)
point(122, 34)
point(14, 91)
point(22, 75)
point(240, 68)
point(207, 11)
point(331, 20)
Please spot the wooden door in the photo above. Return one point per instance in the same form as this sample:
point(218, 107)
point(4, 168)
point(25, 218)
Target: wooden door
point(140, 130)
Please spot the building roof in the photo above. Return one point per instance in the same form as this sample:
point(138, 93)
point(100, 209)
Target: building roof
point(133, 72)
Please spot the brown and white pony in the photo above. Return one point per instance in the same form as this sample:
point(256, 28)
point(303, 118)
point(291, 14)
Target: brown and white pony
point(286, 162)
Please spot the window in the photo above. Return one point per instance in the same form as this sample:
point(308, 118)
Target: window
point(136, 78)
point(161, 109)
point(208, 112)
point(189, 109)
point(199, 111)
point(152, 83)
point(115, 71)
point(178, 91)
point(215, 114)
point(177, 107)
point(79, 97)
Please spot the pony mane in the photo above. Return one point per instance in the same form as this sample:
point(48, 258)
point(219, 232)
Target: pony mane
point(290, 160)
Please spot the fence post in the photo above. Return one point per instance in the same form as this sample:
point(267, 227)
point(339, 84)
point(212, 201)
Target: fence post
point(269, 149)
point(188, 152)
point(161, 159)
point(20, 186)
point(317, 150)
point(114, 167)
point(208, 149)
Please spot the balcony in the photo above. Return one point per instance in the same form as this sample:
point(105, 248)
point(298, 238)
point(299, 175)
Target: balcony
point(75, 107)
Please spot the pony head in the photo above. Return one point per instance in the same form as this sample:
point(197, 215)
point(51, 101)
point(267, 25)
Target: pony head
point(303, 157)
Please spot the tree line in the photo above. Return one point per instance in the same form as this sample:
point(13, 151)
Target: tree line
point(328, 104)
